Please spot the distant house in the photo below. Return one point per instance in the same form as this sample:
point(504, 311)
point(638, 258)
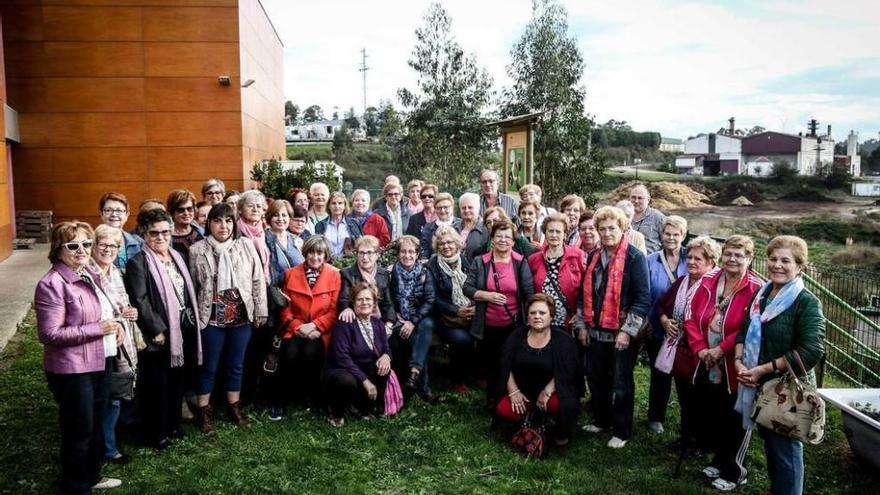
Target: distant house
point(762, 152)
point(321, 130)
point(672, 145)
point(711, 155)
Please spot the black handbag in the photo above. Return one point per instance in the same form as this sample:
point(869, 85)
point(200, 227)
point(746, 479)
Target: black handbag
point(531, 437)
point(188, 319)
point(121, 384)
point(277, 298)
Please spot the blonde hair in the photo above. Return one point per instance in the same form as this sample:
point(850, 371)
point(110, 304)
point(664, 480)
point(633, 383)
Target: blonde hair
point(414, 183)
point(677, 222)
point(408, 239)
point(743, 242)
point(366, 241)
point(337, 195)
point(444, 196)
point(443, 231)
point(104, 230)
point(570, 200)
point(795, 244)
point(709, 247)
point(606, 213)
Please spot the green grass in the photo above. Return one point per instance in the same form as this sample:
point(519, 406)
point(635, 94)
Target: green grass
point(443, 449)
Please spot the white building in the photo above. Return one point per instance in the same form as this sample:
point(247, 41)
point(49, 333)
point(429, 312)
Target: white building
point(672, 145)
point(321, 130)
point(711, 154)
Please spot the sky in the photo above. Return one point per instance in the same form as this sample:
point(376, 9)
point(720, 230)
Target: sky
point(675, 67)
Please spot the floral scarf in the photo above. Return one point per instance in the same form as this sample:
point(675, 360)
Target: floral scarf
point(406, 280)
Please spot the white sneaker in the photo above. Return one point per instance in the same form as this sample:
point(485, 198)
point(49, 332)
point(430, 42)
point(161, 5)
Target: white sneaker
point(711, 472)
point(656, 427)
point(616, 443)
point(591, 428)
point(107, 483)
point(723, 485)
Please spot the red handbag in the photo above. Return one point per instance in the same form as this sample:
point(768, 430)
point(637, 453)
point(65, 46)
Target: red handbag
point(530, 439)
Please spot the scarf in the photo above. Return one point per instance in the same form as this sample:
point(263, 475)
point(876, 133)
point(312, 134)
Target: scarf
point(361, 219)
point(406, 280)
point(312, 276)
point(451, 267)
point(683, 301)
point(609, 316)
point(430, 217)
point(370, 276)
point(258, 236)
point(172, 304)
point(225, 280)
point(670, 270)
point(745, 396)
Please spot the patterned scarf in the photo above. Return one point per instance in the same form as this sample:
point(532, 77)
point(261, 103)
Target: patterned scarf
point(406, 280)
point(745, 396)
point(312, 276)
point(609, 316)
point(258, 236)
point(361, 219)
point(451, 267)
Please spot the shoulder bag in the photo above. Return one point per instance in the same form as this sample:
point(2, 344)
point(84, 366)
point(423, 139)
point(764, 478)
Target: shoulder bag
point(791, 407)
point(121, 384)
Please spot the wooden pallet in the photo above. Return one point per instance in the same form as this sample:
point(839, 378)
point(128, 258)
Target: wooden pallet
point(19, 243)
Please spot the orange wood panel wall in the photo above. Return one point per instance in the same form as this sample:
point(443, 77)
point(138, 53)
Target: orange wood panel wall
point(123, 95)
point(6, 220)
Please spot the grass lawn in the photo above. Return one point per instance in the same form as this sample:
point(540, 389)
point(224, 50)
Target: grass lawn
point(444, 449)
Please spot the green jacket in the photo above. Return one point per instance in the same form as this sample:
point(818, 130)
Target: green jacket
point(799, 328)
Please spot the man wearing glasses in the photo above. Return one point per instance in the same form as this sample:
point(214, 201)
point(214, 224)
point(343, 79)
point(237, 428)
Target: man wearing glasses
point(489, 195)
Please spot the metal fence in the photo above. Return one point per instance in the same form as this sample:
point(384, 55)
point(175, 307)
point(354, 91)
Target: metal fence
point(851, 303)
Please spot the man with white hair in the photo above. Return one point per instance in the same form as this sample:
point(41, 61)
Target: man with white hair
point(489, 195)
point(646, 220)
point(474, 234)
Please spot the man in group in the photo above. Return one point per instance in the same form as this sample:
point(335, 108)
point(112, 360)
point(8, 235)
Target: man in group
point(489, 195)
point(394, 212)
point(647, 220)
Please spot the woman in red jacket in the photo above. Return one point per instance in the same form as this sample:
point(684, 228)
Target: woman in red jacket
point(558, 271)
point(313, 288)
point(718, 309)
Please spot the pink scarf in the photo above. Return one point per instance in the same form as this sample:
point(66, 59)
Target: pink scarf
point(258, 236)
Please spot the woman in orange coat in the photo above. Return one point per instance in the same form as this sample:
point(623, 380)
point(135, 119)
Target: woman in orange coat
point(313, 288)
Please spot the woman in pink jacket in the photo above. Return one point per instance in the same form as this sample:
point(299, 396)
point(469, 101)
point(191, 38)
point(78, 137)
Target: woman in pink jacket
point(79, 331)
point(558, 271)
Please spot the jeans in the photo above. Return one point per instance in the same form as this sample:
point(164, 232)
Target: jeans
point(461, 345)
point(610, 376)
point(230, 344)
point(412, 353)
point(785, 463)
point(111, 416)
point(82, 401)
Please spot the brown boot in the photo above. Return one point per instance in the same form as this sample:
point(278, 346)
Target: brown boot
point(236, 416)
point(206, 421)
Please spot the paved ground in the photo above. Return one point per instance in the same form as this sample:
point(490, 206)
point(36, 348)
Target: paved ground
point(19, 275)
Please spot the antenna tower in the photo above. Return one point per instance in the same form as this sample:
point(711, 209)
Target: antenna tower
point(363, 70)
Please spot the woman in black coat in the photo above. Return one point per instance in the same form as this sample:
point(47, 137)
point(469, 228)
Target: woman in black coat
point(366, 269)
point(539, 368)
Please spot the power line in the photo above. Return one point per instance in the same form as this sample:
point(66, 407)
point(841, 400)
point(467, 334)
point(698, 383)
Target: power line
point(363, 70)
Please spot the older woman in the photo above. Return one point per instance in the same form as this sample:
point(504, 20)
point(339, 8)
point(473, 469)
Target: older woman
point(531, 193)
point(453, 311)
point(319, 193)
point(113, 208)
point(664, 266)
point(371, 223)
point(367, 269)
point(213, 191)
point(202, 209)
point(701, 257)
point(529, 224)
point(338, 229)
point(186, 232)
point(231, 290)
point(313, 288)
point(298, 196)
point(108, 241)
point(558, 271)
point(500, 282)
point(79, 332)
point(572, 206)
point(635, 237)
point(413, 194)
point(718, 309)
point(251, 207)
point(160, 288)
point(786, 328)
point(418, 220)
point(231, 197)
point(298, 222)
point(528, 377)
point(587, 232)
point(616, 301)
point(444, 206)
point(521, 245)
point(283, 251)
point(394, 211)
point(413, 300)
point(359, 359)
point(474, 233)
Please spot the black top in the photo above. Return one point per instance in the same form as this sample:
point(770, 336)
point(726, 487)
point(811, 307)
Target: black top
point(532, 368)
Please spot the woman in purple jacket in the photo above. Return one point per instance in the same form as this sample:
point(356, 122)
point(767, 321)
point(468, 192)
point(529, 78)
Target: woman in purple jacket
point(359, 361)
point(79, 331)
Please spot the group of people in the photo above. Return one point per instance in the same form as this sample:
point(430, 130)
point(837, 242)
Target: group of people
point(237, 294)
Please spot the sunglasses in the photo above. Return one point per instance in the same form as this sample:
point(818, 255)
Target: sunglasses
point(184, 209)
point(427, 196)
point(76, 246)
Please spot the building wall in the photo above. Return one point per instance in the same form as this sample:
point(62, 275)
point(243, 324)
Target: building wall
point(7, 223)
point(124, 96)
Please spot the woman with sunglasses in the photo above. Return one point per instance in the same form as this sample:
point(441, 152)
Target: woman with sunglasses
point(418, 220)
point(79, 332)
point(181, 204)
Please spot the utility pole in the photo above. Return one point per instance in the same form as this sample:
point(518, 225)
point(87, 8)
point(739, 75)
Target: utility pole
point(363, 70)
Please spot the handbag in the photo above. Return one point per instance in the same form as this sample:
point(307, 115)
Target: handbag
point(277, 298)
point(791, 407)
point(121, 384)
point(666, 357)
point(393, 395)
point(531, 437)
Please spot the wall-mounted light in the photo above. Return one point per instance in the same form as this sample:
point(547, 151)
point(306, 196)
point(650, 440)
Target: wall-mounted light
point(223, 80)
point(247, 83)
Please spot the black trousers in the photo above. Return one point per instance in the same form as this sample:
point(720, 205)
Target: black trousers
point(161, 389)
point(82, 400)
point(490, 355)
point(342, 390)
point(661, 383)
point(254, 356)
point(684, 388)
point(612, 387)
point(299, 372)
point(719, 425)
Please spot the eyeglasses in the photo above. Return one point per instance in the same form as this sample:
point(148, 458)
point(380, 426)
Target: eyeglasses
point(365, 254)
point(253, 206)
point(114, 211)
point(738, 256)
point(427, 196)
point(184, 209)
point(393, 194)
point(103, 246)
point(298, 220)
point(446, 243)
point(155, 234)
point(214, 193)
point(76, 246)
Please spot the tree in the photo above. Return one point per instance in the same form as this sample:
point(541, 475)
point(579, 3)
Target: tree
point(546, 69)
point(275, 179)
point(755, 130)
point(388, 121)
point(371, 122)
point(313, 113)
point(351, 119)
point(447, 141)
point(291, 111)
point(873, 161)
point(342, 144)
point(783, 171)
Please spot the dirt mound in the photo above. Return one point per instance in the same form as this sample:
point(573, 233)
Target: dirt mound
point(664, 195)
point(741, 201)
point(728, 193)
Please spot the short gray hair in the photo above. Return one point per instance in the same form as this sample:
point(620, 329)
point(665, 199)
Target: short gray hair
point(250, 194)
point(361, 191)
point(469, 196)
point(628, 209)
point(445, 230)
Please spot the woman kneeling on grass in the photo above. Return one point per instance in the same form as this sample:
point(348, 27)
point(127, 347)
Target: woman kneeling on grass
point(358, 362)
point(540, 368)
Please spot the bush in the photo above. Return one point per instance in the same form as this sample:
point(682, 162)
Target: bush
point(860, 256)
point(275, 180)
point(783, 171)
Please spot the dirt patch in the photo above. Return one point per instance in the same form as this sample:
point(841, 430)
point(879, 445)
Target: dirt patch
point(664, 195)
point(727, 194)
point(809, 195)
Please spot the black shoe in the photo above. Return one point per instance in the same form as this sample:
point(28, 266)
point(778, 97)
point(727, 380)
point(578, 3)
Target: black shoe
point(431, 397)
point(163, 444)
point(121, 460)
point(177, 433)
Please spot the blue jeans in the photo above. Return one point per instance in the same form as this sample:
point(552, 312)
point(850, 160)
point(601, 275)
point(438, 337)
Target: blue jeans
point(229, 343)
point(111, 416)
point(785, 463)
point(461, 345)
